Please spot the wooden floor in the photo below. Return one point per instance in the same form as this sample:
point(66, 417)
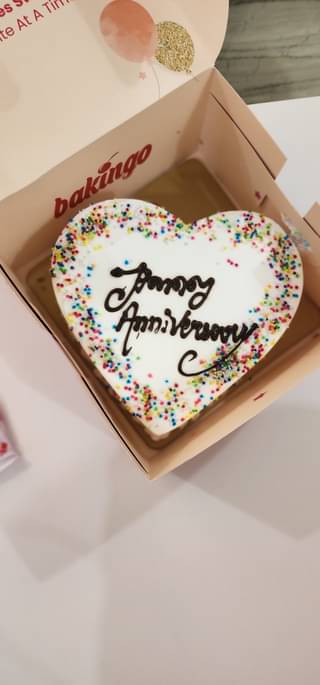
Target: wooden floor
point(272, 49)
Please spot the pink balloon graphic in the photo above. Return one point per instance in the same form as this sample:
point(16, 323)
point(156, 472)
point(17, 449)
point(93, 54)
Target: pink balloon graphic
point(129, 30)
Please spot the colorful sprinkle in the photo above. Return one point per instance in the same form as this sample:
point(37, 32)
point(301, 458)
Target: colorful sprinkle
point(161, 402)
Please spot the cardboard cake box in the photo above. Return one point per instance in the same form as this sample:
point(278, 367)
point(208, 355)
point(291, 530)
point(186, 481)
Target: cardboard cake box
point(84, 124)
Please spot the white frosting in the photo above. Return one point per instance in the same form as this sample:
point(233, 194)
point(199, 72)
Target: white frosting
point(255, 282)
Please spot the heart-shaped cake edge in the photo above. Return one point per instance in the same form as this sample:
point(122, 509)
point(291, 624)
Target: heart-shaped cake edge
point(95, 220)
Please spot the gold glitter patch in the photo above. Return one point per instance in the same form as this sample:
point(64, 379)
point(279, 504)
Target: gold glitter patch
point(175, 47)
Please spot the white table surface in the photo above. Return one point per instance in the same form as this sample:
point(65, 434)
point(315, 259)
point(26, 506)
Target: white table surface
point(209, 576)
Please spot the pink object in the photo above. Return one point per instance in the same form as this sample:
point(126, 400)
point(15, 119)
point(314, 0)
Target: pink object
point(7, 452)
point(129, 30)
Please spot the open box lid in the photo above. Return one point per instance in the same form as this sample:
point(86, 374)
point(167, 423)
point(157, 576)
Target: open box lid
point(62, 86)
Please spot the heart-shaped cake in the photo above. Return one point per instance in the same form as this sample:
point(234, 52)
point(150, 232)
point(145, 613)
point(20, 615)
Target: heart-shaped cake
point(170, 314)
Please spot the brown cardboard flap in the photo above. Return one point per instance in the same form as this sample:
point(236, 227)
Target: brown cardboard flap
point(232, 159)
point(268, 151)
point(313, 218)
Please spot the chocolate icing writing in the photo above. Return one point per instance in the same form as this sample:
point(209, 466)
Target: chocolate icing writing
point(168, 324)
point(191, 355)
point(204, 331)
point(117, 298)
